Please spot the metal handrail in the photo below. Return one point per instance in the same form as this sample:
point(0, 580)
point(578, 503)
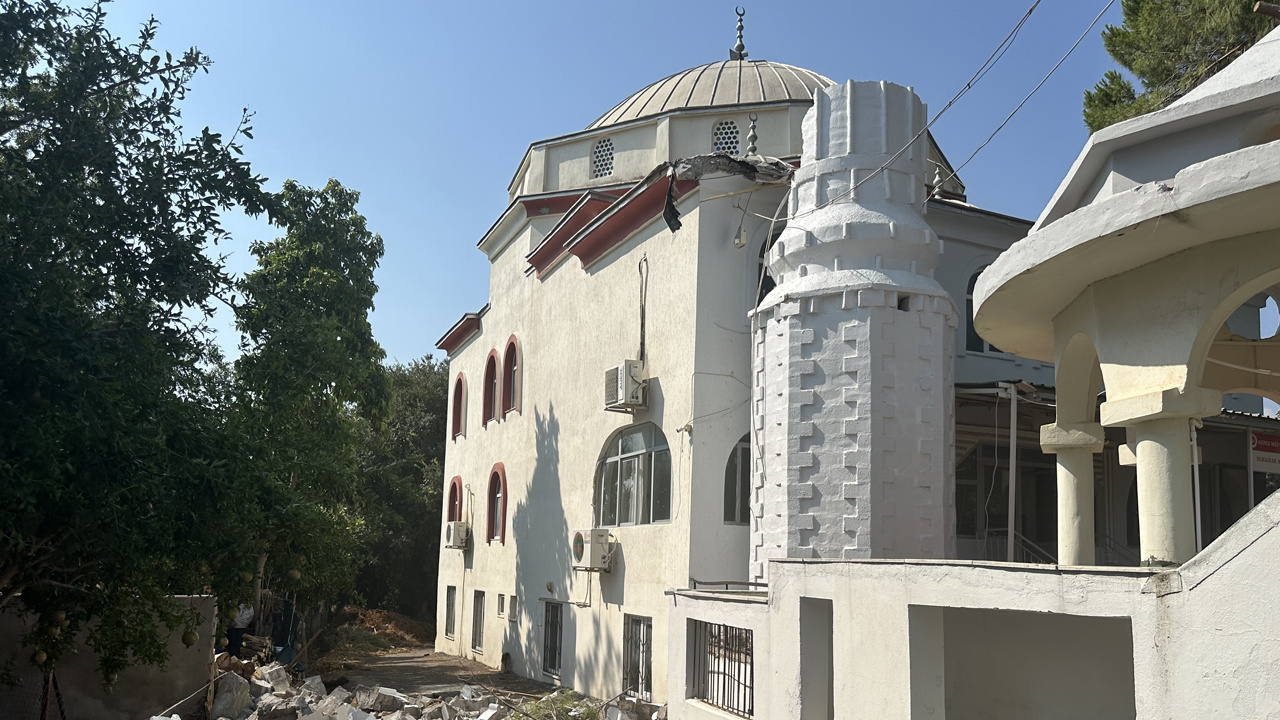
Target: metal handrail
point(1112, 546)
point(694, 583)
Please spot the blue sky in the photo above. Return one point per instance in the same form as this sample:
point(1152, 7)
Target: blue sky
point(426, 108)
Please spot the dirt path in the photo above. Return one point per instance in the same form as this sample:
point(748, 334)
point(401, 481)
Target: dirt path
point(425, 671)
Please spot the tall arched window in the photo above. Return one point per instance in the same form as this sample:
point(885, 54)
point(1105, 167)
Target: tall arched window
point(459, 407)
point(511, 377)
point(973, 342)
point(496, 527)
point(737, 483)
point(455, 499)
point(602, 158)
point(725, 137)
point(633, 478)
point(491, 388)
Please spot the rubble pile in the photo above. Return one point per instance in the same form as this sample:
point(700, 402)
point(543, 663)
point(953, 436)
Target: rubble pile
point(246, 690)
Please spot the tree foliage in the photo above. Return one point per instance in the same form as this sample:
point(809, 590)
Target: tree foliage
point(401, 502)
point(1170, 46)
point(135, 464)
point(113, 447)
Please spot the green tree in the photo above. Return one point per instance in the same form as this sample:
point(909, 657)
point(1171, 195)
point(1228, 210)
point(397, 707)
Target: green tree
point(309, 378)
point(116, 463)
point(401, 503)
point(1170, 46)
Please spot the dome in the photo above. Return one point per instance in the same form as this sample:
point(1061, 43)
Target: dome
point(718, 84)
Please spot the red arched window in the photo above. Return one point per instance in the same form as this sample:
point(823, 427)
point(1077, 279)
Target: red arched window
point(459, 407)
point(491, 388)
point(511, 377)
point(496, 528)
point(455, 499)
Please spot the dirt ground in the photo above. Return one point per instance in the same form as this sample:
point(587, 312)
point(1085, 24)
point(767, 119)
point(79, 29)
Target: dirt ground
point(422, 670)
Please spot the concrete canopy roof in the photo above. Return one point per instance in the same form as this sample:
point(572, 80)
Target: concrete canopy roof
point(730, 82)
point(1019, 295)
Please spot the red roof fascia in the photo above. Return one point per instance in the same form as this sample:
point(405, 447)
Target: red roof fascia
point(462, 331)
point(536, 206)
point(623, 218)
point(588, 208)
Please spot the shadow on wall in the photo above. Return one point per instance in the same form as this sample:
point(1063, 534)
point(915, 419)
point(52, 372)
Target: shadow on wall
point(541, 536)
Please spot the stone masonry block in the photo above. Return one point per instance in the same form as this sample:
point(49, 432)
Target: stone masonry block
point(801, 491)
point(851, 428)
point(851, 457)
point(870, 298)
point(850, 332)
point(852, 491)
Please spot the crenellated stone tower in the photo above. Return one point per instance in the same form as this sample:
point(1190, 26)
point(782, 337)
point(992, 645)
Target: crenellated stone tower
point(853, 395)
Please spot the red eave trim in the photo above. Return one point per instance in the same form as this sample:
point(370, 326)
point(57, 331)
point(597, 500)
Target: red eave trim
point(630, 213)
point(586, 209)
point(462, 331)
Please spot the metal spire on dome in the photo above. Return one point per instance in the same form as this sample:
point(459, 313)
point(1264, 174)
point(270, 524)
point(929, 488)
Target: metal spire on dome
point(739, 51)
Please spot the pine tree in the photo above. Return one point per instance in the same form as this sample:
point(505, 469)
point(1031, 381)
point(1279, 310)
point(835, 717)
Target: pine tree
point(1170, 46)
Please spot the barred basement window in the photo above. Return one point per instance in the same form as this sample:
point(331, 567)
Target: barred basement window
point(602, 158)
point(722, 666)
point(637, 659)
point(725, 136)
point(553, 622)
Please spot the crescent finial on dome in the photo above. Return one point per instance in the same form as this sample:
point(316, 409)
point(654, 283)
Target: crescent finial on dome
point(739, 51)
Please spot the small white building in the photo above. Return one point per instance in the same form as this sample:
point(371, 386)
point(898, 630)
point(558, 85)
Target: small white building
point(725, 437)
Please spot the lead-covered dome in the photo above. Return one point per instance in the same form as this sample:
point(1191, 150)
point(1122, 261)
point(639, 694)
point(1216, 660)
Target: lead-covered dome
point(718, 84)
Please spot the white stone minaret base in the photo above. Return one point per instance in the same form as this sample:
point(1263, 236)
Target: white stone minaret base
point(853, 399)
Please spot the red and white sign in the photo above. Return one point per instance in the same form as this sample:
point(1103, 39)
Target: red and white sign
point(1266, 451)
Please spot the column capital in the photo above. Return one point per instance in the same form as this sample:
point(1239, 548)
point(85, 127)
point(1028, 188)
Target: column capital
point(1064, 436)
point(1191, 402)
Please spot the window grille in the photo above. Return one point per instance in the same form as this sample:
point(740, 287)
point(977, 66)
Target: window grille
point(633, 480)
point(551, 633)
point(450, 608)
point(637, 662)
point(602, 158)
point(723, 670)
point(726, 137)
point(737, 483)
point(477, 622)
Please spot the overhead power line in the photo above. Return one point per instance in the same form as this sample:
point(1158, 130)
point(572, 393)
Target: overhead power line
point(981, 72)
point(1033, 92)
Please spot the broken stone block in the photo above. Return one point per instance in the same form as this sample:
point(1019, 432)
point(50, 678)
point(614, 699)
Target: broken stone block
point(413, 711)
point(334, 700)
point(274, 707)
point(277, 676)
point(258, 688)
point(231, 698)
point(380, 699)
point(314, 686)
point(495, 711)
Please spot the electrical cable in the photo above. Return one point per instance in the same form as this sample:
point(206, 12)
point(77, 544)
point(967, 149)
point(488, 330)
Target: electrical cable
point(981, 72)
point(1033, 92)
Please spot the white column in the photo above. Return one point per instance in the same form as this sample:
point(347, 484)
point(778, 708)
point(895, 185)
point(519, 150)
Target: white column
point(1074, 444)
point(1166, 514)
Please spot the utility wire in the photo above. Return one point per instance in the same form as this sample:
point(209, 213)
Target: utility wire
point(981, 72)
point(1033, 92)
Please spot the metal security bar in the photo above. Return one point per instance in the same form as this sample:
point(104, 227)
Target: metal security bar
point(637, 663)
point(723, 668)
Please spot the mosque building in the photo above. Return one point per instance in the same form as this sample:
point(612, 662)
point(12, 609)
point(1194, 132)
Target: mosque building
point(727, 438)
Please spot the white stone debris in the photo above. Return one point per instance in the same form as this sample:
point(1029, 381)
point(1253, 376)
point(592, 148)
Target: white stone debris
point(231, 698)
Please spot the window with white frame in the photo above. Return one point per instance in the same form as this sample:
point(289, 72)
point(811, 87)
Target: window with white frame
point(450, 609)
point(737, 483)
point(633, 479)
point(552, 632)
point(973, 342)
point(725, 137)
point(477, 622)
point(602, 158)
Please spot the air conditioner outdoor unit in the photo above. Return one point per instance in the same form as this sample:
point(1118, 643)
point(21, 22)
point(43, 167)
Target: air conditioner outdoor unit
point(456, 534)
point(592, 550)
point(624, 386)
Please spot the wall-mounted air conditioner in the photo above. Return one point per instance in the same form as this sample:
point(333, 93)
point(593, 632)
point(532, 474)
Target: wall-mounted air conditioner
point(624, 386)
point(592, 549)
point(456, 534)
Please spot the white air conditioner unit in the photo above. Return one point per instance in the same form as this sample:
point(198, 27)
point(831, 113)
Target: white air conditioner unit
point(456, 534)
point(624, 386)
point(592, 549)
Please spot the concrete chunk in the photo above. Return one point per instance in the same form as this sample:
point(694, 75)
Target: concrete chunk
point(232, 696)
